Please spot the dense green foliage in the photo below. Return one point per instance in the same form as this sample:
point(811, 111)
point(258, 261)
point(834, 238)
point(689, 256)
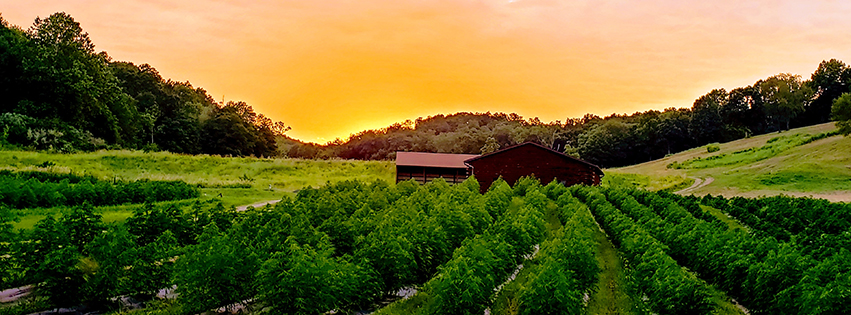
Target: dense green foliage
point(669, 288)
point(819, 227)
point(40, 189)
point(841, 112)
point(568, 268)
point(767, 275)
point(57, 93)
point(465, 284)
point(346, 246)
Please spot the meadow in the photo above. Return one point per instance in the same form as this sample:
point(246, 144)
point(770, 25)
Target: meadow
point(809, 161)
point(629, 245)
point(235, 181)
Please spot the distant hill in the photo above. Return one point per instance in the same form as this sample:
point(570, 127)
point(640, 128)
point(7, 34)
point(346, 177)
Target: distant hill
point(809, 161)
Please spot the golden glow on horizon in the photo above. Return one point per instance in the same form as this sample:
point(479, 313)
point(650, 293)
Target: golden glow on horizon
point(332, 68)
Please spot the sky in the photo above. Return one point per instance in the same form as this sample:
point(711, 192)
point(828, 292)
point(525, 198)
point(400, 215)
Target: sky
point(332, 68)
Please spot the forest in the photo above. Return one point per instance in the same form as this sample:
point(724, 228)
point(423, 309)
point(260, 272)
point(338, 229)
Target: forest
point(350, 246)
point(57, 93)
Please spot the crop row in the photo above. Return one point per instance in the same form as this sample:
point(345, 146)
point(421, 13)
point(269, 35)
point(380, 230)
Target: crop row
point(567, 270)
point(342, 246)
point(767, 275)
point(669, 288)
point(22, 193)
point(819, 227)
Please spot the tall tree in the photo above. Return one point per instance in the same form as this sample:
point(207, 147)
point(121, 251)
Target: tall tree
point(734, 113)
point(68, 80)
point(828, 82)
point(841, 113)
point(706, 122)
point(785, 97)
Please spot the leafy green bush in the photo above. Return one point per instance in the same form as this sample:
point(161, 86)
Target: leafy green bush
point(713, 147)
point(40, 189)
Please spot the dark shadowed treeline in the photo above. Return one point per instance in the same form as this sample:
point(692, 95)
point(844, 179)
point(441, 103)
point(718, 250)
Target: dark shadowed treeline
point(57, 93)
point(773, 104)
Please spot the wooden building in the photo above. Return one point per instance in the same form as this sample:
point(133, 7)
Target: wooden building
point(533, 159)
point(425, 167)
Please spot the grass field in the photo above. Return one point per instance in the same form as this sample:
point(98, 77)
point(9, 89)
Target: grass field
point(240, 181)
point(793, 162)
point(612, 296)
point(204, 170)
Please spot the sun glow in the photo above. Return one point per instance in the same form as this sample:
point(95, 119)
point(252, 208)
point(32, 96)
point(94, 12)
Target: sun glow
point(332, 68)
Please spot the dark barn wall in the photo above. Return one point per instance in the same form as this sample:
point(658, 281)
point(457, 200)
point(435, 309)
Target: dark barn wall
point(427, 174)
point(527, 160)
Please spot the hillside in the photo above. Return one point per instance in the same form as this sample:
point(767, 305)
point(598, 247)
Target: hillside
point(234, 181)
point(793, 162)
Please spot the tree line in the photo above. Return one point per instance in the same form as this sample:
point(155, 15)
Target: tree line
point(58, 93)
point(772, 104)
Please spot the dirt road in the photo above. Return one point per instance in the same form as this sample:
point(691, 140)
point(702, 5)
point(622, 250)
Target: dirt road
point(258, 205)
point(698, 183)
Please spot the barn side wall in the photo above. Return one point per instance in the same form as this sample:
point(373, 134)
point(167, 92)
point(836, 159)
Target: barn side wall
point(427, 174)
point(527, 160)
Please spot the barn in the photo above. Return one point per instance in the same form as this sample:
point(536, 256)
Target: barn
point(531, 158)
point(425, 167)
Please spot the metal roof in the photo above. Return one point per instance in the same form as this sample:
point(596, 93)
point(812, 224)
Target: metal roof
point(424, 159)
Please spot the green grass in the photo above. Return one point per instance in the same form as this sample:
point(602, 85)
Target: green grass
point(611, 296)
point(614, 179)
point(411, 305)
point(203, 170)
point(507, 300)
point(242, 196)
point(809, 161)
point(773, 147)
point(240, 181)
point(731, 223)
point(723, 304)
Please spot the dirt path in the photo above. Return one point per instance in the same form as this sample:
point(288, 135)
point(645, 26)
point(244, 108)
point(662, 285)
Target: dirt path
point(13, 294)
point(258, 205)
point(698, 183)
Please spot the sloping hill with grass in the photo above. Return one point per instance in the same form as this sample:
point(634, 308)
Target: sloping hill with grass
point(811, 161)
point(234, 181)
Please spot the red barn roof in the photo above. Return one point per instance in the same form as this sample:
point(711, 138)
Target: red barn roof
point(444, 160)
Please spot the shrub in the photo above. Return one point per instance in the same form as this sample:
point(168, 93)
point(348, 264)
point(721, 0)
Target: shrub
point(713, 148)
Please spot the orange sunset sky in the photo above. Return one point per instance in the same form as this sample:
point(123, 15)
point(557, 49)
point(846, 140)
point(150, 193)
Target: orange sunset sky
point(332, 68)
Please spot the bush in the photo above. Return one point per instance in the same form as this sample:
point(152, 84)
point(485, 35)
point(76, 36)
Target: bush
point(39, 189)
point(714, 147)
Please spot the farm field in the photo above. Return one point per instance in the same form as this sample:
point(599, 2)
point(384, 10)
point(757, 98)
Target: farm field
point(424, 249)
point(809, 161)
point(351, 246)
